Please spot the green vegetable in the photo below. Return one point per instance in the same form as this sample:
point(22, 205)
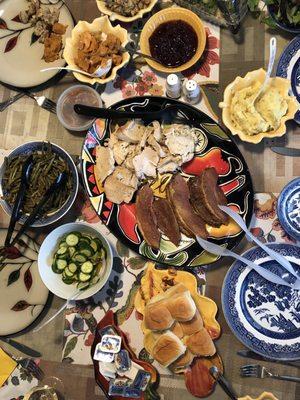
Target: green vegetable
point(79, 259)
point(47, 165)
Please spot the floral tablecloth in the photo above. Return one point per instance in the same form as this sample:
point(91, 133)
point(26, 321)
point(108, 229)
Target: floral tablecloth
point(17, 385)
point(119, 293)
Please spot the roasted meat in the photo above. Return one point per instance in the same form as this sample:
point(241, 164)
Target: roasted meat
point(206, 195)
point(178, 195)
point(146, 219)
point(166, 220)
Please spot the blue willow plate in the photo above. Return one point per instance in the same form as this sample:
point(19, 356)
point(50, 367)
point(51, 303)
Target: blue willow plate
point(288, 208)
point(289, 67)
point(264, 316)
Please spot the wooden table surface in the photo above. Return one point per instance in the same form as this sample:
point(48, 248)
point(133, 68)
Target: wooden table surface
point(25, 121)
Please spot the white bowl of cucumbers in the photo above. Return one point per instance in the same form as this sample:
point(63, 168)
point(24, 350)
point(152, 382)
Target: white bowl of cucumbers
point(75, 258)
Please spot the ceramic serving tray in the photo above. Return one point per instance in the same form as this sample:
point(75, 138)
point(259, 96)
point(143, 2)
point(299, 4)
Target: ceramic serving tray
point(214, 149)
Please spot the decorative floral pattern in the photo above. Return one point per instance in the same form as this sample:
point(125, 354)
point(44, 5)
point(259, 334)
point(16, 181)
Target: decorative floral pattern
point(210, 57)
point(14, 34)
point(142, 84)
point(19, 383)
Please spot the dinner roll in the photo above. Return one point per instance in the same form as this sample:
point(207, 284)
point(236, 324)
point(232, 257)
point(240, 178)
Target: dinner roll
point(200, 343)
point(174, 290)
point(182, 307)
point(182, 362)
point(192, 326)
point(158, 317)
point(177, 330)
point(168, 348)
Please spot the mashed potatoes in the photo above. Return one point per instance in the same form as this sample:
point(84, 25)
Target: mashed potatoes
point(262, 115)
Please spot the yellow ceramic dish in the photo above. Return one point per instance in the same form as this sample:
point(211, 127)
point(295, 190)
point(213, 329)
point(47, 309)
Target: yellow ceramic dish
point(281, 84)
point(99, 24)
point(157, 281)
point(115, 16)
point(263, 396)
point(171, 14)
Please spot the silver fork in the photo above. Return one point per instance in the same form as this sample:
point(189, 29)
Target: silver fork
point(8, 102)
point(32, 367)
point(257, 371)
point(43, 102)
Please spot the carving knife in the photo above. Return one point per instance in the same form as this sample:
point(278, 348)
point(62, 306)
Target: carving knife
point(254, 356)
point(286, 151)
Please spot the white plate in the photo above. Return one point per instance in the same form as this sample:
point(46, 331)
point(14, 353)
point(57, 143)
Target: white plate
point(20, 67)
point(22, 297)
point(54, 281)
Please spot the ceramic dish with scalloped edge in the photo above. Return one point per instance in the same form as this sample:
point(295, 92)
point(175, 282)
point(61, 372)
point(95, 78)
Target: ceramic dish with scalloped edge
point(172, 14)
point(283, 85)
point(99, 24)
point(115, 16)
point(263, 396)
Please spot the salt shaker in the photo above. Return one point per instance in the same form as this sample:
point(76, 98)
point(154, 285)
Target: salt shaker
point(191, 91)
point(173, 86)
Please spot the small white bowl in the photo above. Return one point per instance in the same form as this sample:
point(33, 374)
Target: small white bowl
point(54, 281)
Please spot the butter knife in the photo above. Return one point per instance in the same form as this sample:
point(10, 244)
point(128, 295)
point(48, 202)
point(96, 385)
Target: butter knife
point(254, 356)
point(286, 151)
point(21, 347)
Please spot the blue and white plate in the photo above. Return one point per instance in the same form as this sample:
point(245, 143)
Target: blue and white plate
point(265, 317)
point(288, 208)
point(289, 67)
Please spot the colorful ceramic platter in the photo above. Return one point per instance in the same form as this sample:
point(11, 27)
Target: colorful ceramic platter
point(289, 67)
point(265, 317)
point(23, 296)
point(21, 59)
point(214, 149)
point(288, 208)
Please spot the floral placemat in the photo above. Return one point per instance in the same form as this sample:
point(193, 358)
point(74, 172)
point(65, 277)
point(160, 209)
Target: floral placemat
point(118, 294)
point(17, 385)
point(138, 79)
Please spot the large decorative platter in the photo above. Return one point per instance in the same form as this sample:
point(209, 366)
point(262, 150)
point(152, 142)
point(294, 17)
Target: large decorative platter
point(265, 317)
point(23, 296)
point(289, 67)
point(214, 149)
point(21, 59)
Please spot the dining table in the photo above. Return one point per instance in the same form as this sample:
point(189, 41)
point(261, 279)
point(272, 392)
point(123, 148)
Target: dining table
point(25, 121)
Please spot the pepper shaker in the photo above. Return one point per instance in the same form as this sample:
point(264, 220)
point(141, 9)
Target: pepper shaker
point(191, 91)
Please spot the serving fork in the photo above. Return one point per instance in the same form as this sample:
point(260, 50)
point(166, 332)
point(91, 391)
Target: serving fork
point(257, 371)
point(30, 366)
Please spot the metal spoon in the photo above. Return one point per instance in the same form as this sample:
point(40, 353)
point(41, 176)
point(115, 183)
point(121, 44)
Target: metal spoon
point(225, 385)
point(100, 71)
point(273, 45)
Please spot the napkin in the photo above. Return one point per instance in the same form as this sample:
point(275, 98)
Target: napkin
point(7, 365)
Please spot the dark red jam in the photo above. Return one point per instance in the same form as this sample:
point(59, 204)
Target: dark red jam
point(173, 43)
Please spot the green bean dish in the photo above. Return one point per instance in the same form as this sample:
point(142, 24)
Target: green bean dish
point(47, 165)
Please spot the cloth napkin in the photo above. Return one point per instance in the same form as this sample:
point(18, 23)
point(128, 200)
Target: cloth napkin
point(7, 365)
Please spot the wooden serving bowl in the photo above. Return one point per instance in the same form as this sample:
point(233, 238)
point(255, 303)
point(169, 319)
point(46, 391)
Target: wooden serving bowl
point(171, 14)
point(108, 319)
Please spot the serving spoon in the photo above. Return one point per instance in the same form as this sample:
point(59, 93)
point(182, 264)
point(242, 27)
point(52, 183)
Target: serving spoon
point(100, 71)
point(273, 46)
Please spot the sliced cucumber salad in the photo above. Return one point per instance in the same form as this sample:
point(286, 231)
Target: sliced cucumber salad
point(79, 259)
